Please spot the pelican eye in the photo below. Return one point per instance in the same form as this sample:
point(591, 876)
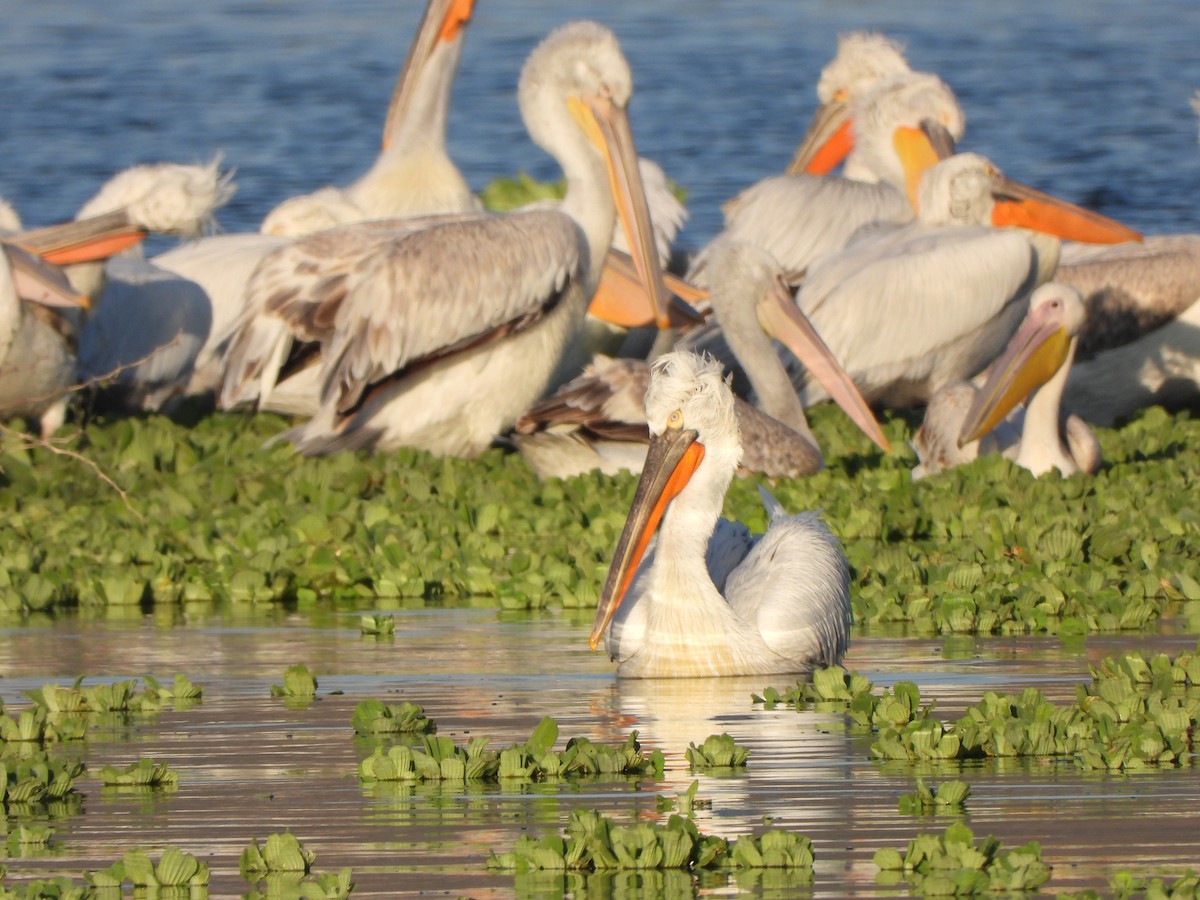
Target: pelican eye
point(675, 419)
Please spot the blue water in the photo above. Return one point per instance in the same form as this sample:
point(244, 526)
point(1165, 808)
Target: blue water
point(1087, 100)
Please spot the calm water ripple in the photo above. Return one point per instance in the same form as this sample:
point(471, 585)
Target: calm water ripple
point(1085, 100)
point(250, 765)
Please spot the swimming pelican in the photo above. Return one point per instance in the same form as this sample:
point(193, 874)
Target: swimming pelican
point(909, 309)
point(903, 126)
point(963, 422)
point(413, 175)
point(37, 358)
point(1140, 343)
point(440, 337)
point(863, 59)
point(710, 599)
point(598, 420)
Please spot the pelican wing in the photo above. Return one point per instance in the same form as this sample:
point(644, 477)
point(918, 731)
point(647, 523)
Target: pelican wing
point(423, 295)
point(1131, 289)
point(293, 294)
point(607, 395)
point(777, 214)
point(794, 587)
point(898, 297)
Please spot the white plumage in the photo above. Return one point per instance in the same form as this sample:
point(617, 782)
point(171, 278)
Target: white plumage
point(798, 217)
point(909, 309)
point(413, 175)
point(709, 598)
point(438, 333)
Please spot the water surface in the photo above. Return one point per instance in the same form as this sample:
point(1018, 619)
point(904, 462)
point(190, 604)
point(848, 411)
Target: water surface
point(1086, 100)
point(250, 765)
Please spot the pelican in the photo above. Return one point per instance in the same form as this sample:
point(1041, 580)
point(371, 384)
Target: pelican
point(909, 309)
point(903, 126)
point(598, 420)
point(1140, 344)
point(413, 175)
point(165, 198)
point(710, 599)
point(863, 59)
point(439, 337)
point(37, 358)
point(127, 320)
point(962, 421)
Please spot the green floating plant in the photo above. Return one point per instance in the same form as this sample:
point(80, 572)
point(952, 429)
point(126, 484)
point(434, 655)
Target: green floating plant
point(145, 773)
point(504, 194)
point(719, 751)
point(282, 852)
point(182, 692)
point(594, 842)
point(173, 869)
point(1126, 884)
point(378, 625)
point(120, 696)
point(298, 684)
point(773, 849)
point(38, 780)
point(440, 759)
point(1135, 713)
point(982, 549)
point(947, 797)
point(60, 888)
point(34, 726)
point(952, 863)
point(686, 803)
point(834, 689)
point(374, 717)
point(536, 760)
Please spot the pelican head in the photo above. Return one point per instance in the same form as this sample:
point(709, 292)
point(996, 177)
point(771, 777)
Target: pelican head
point(864, 58)
point(694, 439)
point(574, 95)
point(1042, 345)
point(968, 189)
point(906, 124)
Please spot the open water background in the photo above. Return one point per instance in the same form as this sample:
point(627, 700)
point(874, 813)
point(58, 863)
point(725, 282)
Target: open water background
point(1087, 100)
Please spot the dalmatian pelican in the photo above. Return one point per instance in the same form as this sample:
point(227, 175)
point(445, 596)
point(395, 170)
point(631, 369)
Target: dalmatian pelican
point(964, 421)
point(439, 337)
point(413, 175)
point(710, 599)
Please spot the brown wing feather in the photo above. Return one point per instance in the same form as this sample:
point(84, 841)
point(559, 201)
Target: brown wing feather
point(1130, 289)
point(417, 296)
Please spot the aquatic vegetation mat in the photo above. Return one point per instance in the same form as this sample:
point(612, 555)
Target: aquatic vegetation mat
point(718, 751)
point(1135, 713)
point(954, 864)
point(984, 548)
point(173, 869)
point(441, 759)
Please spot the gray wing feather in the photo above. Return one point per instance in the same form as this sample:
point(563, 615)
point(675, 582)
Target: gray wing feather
point(425, 291)
point(797, 218)
point(910, 293)
point(795, 586)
